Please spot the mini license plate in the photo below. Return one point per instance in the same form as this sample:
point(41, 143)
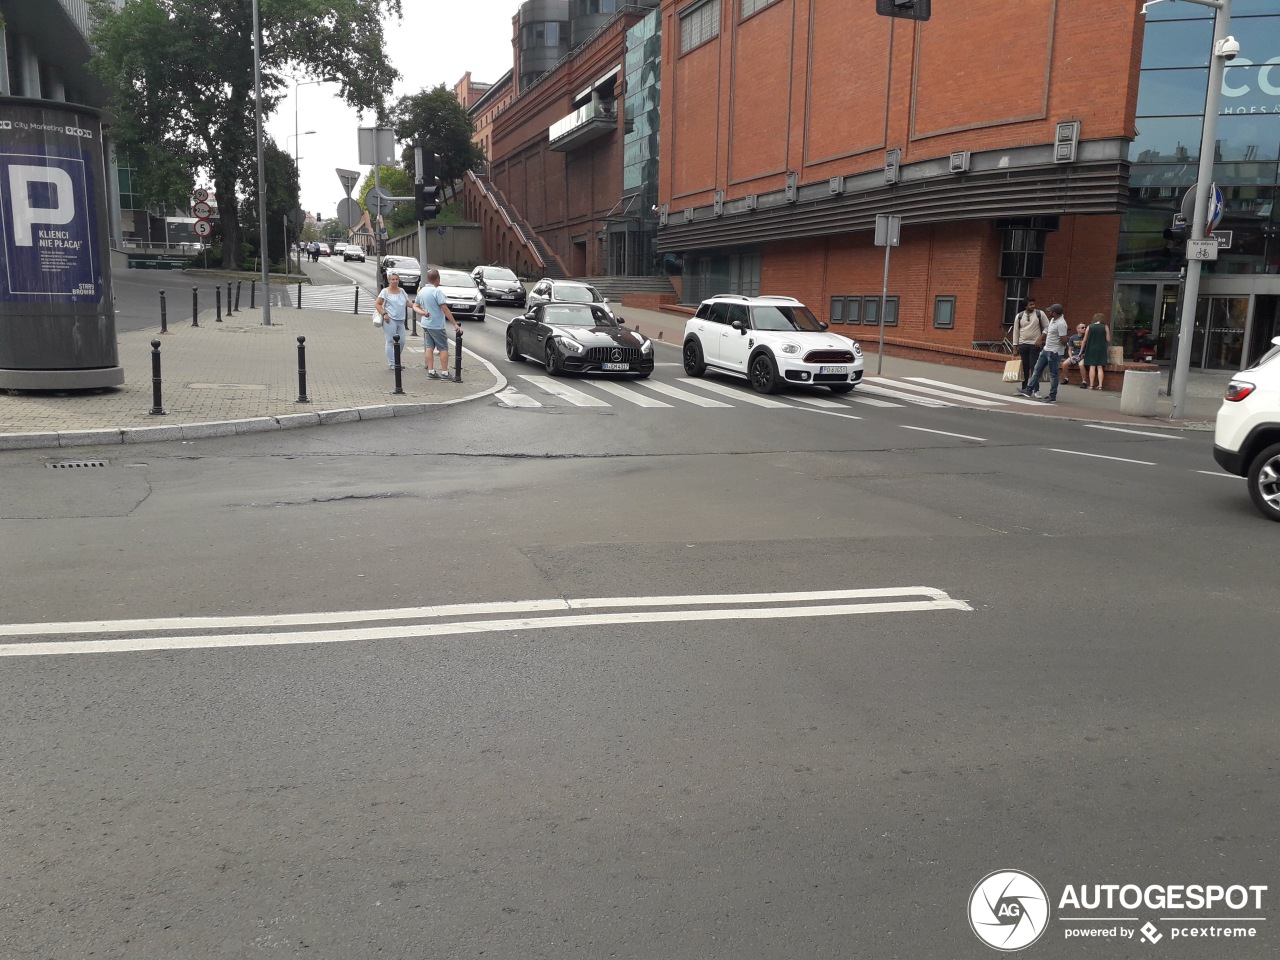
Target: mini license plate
point(615, 366)
point(833, 369)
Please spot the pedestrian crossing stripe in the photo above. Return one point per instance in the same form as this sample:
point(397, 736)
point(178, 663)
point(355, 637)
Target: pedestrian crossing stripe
point(734, 392)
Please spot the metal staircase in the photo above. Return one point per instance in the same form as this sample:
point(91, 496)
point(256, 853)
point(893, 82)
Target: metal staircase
point(549, 264)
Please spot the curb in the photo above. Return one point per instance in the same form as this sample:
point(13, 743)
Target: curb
point(61, 439)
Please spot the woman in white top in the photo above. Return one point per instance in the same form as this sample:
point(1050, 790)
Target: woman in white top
point(392, 305)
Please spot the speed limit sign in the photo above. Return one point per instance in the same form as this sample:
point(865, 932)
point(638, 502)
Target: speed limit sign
point(201, 195)
point(203, 228)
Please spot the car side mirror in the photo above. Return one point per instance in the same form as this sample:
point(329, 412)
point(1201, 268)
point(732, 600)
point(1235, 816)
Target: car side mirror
point(604, 299)
point(737, 325)
point(823, 324)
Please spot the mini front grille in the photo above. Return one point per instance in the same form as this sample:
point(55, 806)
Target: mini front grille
point(828, 356)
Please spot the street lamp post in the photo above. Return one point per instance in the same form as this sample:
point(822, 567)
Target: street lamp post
point(262, 169)
point(1222, 52)
point(296, 138)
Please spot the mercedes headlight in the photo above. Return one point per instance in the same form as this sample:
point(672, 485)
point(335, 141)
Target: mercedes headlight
point(791, 349)
point(646, 347)
point(573, 346)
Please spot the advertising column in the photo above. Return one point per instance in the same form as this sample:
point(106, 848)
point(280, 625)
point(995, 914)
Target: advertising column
point(57, 317)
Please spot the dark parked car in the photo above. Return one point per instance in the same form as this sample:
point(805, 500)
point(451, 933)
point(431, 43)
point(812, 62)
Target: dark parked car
point(499, 285)
point(578, 338)
point(408, 268)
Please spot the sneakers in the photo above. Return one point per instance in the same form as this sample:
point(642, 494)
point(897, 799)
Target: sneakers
point(431, 375)
point(1033, 394)
point(446, 375)
point(1047, 399)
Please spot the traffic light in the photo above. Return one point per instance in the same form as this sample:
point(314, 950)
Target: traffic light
point(426, 200)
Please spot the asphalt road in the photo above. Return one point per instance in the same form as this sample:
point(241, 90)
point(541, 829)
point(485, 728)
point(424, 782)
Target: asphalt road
point(655, 774)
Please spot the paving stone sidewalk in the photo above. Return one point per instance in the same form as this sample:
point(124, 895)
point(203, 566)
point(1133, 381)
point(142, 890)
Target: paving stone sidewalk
point(238, 376)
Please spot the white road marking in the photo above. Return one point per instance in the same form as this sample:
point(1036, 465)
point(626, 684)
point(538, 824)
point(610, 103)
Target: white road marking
point(1215, 473)
point(457, 610)
point(629, 394)
point(422, 631)
point(955, 388)
point(944, 433)
point(945, 394)
point(819, 402)
point(679, 394)
point(872, 388)
point(733, 393)
point(1098, 456)
point(576, 397)
point(1136, 433)
point(510, 398)
point(873, 402)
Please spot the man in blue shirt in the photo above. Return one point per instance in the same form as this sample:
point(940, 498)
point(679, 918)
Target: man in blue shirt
point(431, 304)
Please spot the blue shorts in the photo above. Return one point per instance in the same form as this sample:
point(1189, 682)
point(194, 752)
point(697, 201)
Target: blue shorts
point(436, 339)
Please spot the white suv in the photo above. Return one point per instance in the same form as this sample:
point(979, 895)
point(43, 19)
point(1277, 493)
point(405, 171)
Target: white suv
point(770, 341)
point(1246, 441)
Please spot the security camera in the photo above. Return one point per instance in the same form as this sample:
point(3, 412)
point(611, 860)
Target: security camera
point(1228, 48)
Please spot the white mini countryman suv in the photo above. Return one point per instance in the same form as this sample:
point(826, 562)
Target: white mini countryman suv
point(1246, 439)
point(770, 341)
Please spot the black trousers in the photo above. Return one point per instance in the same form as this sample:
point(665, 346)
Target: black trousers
point(1029, 353)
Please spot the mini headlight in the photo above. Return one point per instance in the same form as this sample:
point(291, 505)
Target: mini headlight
point(790, 348)
point(857, 350)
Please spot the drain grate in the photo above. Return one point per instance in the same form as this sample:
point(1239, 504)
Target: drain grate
point(76, 464)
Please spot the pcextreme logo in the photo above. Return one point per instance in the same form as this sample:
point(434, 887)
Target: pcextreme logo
point(1009, 910)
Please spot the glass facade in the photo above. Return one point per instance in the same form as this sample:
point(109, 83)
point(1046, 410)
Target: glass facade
point(1171, 99)
point(633, 241)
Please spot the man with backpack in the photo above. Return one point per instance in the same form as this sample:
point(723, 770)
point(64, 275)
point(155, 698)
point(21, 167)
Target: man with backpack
point(1028, 334)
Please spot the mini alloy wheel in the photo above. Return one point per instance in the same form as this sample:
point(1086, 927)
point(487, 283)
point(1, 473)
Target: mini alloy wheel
point(764, 375)
point(693, 362)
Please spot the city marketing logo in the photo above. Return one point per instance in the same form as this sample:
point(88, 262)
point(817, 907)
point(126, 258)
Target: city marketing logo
point(1008, 910)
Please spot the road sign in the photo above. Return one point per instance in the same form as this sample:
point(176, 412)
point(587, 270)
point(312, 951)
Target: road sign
point(377, 146)
point(1202, 250)
point(348, 179)
point(379, 201)
point(203, 228)
point(349, 212)
point(888, 230)
point(202, 209)
point(201, 195)
point(1224, 238)
point(1215, 207)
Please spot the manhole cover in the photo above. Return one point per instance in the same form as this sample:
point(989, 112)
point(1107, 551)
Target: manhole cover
point(76, 464)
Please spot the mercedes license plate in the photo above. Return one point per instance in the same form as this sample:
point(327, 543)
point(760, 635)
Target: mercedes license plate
point(615, 366)
point(833, 369)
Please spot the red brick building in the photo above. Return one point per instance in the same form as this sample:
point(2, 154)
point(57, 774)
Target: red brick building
point(999, 131)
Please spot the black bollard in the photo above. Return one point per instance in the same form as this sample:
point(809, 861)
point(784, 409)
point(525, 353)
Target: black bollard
point(356, 308)
point(228, 298)
point(217, 297)
point(164, 315)
point(238, 284)
point(253, 294)
point(299, 294)
point(457, 356)
point(413, 321)
point(302, 371)
point(157, 405)
point(399, 384)
point(195, 306)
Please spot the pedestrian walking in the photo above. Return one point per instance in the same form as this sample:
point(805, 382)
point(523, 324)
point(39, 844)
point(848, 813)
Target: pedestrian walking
point(1028, 337)
point(1075, 354)
point(1095, 352)
point(432, 304)
point(1055, 341)
point(392, 305)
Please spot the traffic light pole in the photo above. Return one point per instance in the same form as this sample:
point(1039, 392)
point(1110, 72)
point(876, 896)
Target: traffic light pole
point(418, 164)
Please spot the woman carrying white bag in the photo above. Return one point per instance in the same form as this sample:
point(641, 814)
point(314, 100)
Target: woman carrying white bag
point(391, 309)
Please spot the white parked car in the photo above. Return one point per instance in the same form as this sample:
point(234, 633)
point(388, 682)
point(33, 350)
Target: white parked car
point(1246, 439)
point(770, 341)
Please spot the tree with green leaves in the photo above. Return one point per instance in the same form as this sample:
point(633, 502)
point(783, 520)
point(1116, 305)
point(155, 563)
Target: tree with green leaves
point(437, 117)
point(396, 182)
point(181, 82)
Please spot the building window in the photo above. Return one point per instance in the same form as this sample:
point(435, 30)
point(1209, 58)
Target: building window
point(944, 312)
point(699, 25)
point(129, 200)
point(1016, 290)
point(837, 310)
point(587, 8)
point(871, 311)
point(750, 7)
point(846, 310)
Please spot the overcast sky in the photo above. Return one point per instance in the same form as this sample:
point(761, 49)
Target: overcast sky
point(429, 46)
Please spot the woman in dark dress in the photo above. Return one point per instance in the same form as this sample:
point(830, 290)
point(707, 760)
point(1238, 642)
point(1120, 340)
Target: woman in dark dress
point(1097, 341)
